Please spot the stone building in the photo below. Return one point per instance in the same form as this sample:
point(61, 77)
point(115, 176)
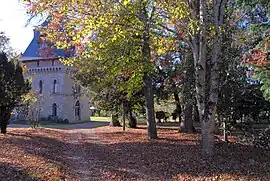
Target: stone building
point(61, 96)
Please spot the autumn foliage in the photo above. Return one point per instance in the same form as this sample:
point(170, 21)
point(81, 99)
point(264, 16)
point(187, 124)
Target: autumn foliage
point(108, 153)
point(257, 58)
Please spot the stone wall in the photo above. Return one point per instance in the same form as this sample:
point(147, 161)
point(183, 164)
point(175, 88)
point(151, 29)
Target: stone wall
point(63, 95)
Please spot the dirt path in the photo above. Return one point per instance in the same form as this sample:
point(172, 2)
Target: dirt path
point(77, 159)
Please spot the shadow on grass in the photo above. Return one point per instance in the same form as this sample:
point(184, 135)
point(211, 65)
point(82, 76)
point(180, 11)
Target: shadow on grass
point(156, 160)
point(84, 125)
point(87, 125)
point(11, 172)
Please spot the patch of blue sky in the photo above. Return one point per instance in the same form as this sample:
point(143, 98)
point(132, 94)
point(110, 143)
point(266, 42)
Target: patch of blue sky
point(14, 22)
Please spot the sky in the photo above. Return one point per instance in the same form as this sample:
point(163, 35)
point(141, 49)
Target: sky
point(13, 20)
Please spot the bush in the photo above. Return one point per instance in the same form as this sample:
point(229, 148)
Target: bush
point(262, 140)
point(43, 119)
point(54, 119)
point(66, 121)
point(174, 115)
point(132, 122)
point(246, 138)
point(167, 116)
point(256, 138)
point(115, 121)
point(33, 123)
point(160, 115)
point(59, 120)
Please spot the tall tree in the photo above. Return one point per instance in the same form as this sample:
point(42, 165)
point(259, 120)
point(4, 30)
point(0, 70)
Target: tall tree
point(118, 35)
point(196, 23)
point(188, 92)
point(5, 46)
point(202, 28)
point(12, 87)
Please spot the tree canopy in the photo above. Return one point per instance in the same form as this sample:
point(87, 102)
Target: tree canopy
point(118, 46)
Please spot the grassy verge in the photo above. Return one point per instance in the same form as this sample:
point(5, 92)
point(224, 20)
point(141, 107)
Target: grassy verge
point(100, 119)
point(108, 119)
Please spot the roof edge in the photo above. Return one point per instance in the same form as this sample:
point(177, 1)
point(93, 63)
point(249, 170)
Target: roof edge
point(37, 58)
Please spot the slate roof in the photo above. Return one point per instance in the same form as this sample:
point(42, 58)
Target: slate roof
point(32, 52)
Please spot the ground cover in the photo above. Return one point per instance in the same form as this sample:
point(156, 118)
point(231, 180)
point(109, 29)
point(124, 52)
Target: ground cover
point(107, 153)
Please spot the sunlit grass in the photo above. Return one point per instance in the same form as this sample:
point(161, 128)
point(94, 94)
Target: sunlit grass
point(103, 119)
point(108, 119)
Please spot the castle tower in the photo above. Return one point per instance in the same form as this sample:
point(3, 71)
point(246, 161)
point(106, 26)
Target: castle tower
point(61, 96)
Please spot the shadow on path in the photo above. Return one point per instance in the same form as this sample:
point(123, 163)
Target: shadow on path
point(87, 125)
point(94, 156)
point(11, 172)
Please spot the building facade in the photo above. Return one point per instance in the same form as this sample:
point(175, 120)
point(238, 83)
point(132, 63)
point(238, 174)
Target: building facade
point(59, 96)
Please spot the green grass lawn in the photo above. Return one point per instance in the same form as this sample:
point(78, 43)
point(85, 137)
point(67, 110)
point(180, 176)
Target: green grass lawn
point(108, 119)
point(103, 119)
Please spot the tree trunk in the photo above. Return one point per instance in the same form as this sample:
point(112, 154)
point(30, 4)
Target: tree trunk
point(214, 81)
point(132, 120)
point(207, 65)
point(4, 118)
point(186, 126)
point(3, 128)
point(115, 121)
point(148, 82)
point(115, 117)
point(178, 109)
point(225, 135)
point(149, 105)
point(208, 128)
point(124, 115)
point(188, 95)
point(196, 117)
point(207, 137)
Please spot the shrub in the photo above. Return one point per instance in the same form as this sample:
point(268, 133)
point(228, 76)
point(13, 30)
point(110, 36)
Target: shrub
point(167, 116)
point(43, 119)
point(256, 138)
point(55, 119)
point(52, 118)
point(66, 121)
point(174, 115)
point(115, 121)
point(160, 115)
point(132, 122)
point(262, 140)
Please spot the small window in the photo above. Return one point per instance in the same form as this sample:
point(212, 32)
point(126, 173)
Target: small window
point(53, 62)
point(40, 86)
point(40, 39)
point(37, 63)
point(54, 86)
point(54, 109)
point(78, 110)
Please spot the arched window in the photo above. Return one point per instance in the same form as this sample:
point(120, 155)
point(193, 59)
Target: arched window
point(54, 86)
point(40, 86)
point(78, 110)
point(54, 109)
